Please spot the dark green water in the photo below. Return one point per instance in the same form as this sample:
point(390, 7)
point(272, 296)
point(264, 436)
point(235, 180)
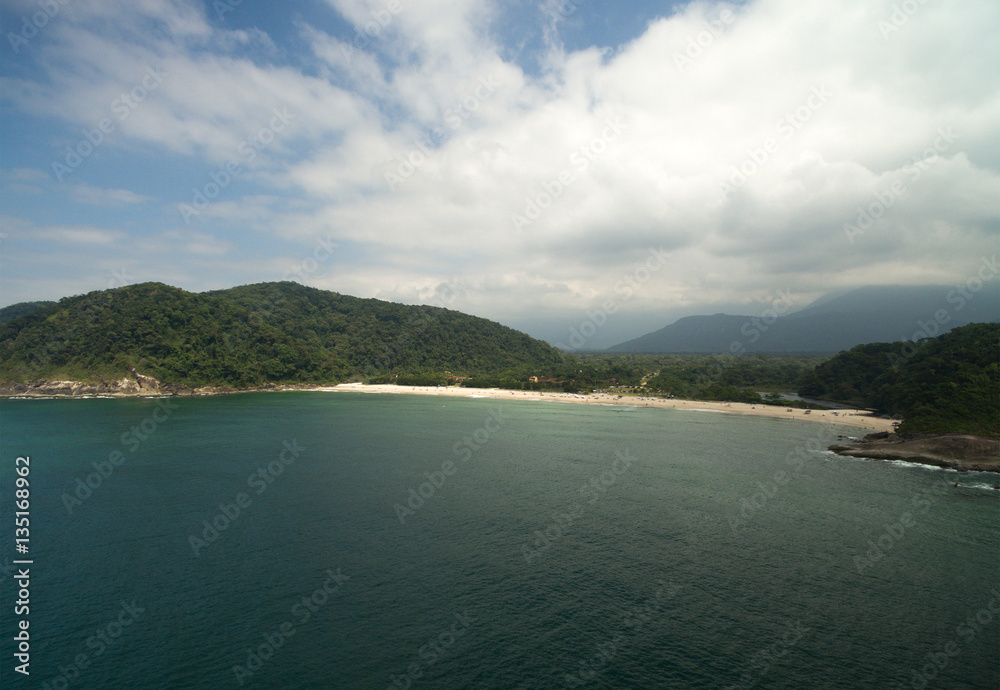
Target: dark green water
point(688, 561)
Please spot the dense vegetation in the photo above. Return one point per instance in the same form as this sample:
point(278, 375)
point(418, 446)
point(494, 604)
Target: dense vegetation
point(250, 335)
point(947, 384)
point(697, 377)
point(20, 309)
point(736, 378)
point(288, 333)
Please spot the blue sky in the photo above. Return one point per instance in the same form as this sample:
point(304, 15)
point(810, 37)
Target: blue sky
point(539, 162)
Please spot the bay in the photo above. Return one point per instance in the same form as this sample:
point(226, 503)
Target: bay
point(408, 541)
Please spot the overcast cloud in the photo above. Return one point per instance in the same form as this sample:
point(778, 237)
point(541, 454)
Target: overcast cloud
point(537, 159)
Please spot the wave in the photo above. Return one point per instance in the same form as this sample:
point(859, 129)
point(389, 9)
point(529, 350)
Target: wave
point(897, 463)
point(980, 487)
point(923, 466)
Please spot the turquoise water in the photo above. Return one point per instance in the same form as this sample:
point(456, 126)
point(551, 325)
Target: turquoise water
point(543, 545)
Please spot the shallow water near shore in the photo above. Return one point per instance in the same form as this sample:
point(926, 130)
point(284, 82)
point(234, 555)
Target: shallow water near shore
point(311, 540)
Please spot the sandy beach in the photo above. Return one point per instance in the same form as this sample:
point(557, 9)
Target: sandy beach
point(858, 418)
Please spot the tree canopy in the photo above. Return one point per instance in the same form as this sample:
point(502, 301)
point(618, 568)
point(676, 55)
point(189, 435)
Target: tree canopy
point(948, 384)
point(254, 334)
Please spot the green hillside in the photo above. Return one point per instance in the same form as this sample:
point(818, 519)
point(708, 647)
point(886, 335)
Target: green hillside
point(945, 385)
point(250, 335)
point(20, 309)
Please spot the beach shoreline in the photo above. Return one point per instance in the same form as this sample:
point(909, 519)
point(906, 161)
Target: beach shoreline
point(862, 419)
point(150, 388)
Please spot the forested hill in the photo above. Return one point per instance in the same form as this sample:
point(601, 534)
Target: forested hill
point(20, 309)
point(251, 335)
point(943, 385)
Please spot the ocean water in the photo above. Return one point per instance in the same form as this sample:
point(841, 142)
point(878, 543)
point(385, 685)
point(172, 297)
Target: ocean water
point(318, 540)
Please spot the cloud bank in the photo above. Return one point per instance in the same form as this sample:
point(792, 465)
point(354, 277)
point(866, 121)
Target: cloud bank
point(764, 146)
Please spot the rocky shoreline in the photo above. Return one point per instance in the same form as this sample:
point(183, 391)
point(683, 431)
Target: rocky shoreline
point(954, 451)
point(137, 386)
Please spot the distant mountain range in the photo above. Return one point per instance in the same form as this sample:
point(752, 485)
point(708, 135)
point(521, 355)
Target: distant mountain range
point(835, 322)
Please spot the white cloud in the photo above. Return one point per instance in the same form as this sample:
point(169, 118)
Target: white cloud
point(78, 235)
point(96, 196)
point(200, 243)
point(820, 109)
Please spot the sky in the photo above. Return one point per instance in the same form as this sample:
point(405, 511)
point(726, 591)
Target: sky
point(548, 164)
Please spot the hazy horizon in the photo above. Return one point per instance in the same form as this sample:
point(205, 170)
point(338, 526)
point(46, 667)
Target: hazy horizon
point(614, 329)
point(528, 162)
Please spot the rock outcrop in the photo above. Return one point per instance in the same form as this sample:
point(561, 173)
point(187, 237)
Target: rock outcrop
point(130, 386)
point(960, 452)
